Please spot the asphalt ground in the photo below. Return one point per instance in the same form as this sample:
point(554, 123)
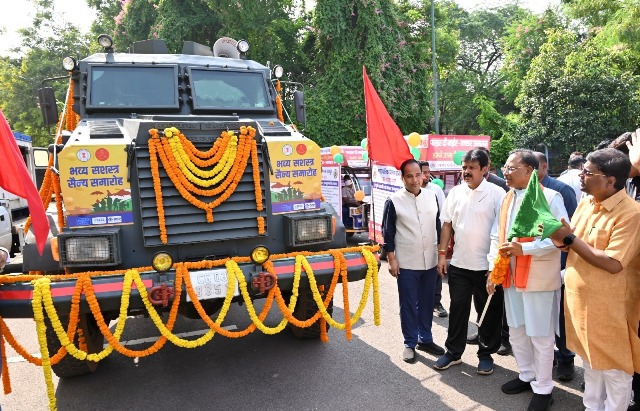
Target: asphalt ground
point(278, 372)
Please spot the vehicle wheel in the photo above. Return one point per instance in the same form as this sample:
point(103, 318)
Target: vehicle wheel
point(305, 308)
point(350, 234)
point(69, 366)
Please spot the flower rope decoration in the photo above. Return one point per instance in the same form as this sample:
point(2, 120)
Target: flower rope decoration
point(500, 268)
point(255, 166)
point(174, 160)
point(279, 101)
point(43, 302)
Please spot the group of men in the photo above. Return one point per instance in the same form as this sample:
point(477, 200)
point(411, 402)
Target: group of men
point(596, 247)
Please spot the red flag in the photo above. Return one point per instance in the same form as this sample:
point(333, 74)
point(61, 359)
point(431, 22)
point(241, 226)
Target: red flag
point(15, 178)
point(386, 142)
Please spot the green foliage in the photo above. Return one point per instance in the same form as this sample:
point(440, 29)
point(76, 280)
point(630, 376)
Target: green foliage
point(576, 94)
point(44, 45)
point(348, 36)
point(522, 42)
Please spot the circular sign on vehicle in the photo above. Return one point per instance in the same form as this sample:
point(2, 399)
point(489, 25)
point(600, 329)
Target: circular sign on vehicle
point(102, 154)
point(83, 155)
point(301, 149)
point(287, 150)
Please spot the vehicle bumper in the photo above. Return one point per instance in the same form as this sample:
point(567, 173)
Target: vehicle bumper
point(15, 298)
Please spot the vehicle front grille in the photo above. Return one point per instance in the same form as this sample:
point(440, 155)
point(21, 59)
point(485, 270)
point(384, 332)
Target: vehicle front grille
point(233, 219)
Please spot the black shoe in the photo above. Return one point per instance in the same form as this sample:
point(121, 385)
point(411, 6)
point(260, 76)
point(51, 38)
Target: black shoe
point(440, 311)
point(432, 348)
point(540, 402)
point(472, 339)
point(515, 386)
point(565, 371)
point(505, 350)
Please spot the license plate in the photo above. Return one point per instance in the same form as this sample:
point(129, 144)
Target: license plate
point(210, 284)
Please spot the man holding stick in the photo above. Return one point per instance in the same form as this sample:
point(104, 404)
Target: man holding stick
point(469, 211)
point(532, 285)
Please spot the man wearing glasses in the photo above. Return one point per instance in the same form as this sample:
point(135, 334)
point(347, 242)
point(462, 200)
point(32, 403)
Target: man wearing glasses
point(602, 281)
point(532, 290)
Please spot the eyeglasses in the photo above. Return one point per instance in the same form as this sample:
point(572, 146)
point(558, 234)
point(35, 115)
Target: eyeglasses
point(588, 173)
point(509, 170)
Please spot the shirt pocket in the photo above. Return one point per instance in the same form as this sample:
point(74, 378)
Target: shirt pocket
point(599, 238)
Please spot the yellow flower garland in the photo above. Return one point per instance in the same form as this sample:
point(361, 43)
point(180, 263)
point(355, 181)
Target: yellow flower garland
point(43, 302)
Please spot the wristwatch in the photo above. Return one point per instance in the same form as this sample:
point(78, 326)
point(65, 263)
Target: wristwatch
point(568, 240)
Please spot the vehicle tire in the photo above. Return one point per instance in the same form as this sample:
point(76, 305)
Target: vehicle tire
point(69, 366)
point(350, 234)
point(305, 308)
point(383, 254)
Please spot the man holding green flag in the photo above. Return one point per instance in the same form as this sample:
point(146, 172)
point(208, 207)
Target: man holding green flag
point(531, 280)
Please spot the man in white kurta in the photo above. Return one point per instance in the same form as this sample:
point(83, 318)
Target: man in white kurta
point(532, 310)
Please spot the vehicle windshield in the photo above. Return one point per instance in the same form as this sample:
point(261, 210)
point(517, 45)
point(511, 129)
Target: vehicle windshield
point(228, 89)
point(133, 87)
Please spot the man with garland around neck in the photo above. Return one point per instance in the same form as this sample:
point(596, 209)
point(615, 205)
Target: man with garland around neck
point(411, 228)
point(532, 287)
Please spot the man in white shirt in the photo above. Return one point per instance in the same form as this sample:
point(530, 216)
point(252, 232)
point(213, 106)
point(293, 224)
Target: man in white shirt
point(572, 176)
point(470, 210)
point(438, 309)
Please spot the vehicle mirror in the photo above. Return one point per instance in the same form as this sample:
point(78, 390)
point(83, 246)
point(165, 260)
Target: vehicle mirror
point(48, 107)
point(41, 157)
point(298, 101)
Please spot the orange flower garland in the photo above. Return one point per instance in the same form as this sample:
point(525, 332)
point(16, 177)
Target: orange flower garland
point(255, 166)
point(162, 148)
point(500, 269)
point(84, 285)
point(157, 186)
point(279, 101)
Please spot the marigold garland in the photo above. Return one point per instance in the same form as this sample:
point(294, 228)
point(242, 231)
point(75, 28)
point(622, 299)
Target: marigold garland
point(279, 101)
point(43, 302)
point(174, 162)
point(500, 269)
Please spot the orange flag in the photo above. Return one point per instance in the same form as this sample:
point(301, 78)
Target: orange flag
point(386, 143)
point(15, 178)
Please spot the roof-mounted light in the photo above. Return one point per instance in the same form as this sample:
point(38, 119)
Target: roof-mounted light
point(278, 71)
point(243, 46)
point(69, 63)
point(105, 42)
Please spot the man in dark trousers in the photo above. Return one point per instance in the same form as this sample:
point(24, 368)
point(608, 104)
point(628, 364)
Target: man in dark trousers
point(411, 228)
point(470, 210)
point(564, 356)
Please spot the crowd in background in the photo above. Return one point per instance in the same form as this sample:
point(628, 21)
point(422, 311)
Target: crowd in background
point(576, 292)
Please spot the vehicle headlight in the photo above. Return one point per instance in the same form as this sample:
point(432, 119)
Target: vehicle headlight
point(93, 248)
point(84, 249)
point(308, 229)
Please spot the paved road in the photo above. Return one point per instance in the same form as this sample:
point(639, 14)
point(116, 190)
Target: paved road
point(279, 372)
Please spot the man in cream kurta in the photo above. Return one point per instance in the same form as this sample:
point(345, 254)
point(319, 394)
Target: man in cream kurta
point(533, 310)
point(410, 226)
point(602, 282)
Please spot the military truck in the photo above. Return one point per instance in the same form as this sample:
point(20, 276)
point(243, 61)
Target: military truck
point(136, 194)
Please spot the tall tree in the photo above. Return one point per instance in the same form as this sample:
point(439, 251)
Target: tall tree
point(348, 36)
point(577, 93)
point(44, 45)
